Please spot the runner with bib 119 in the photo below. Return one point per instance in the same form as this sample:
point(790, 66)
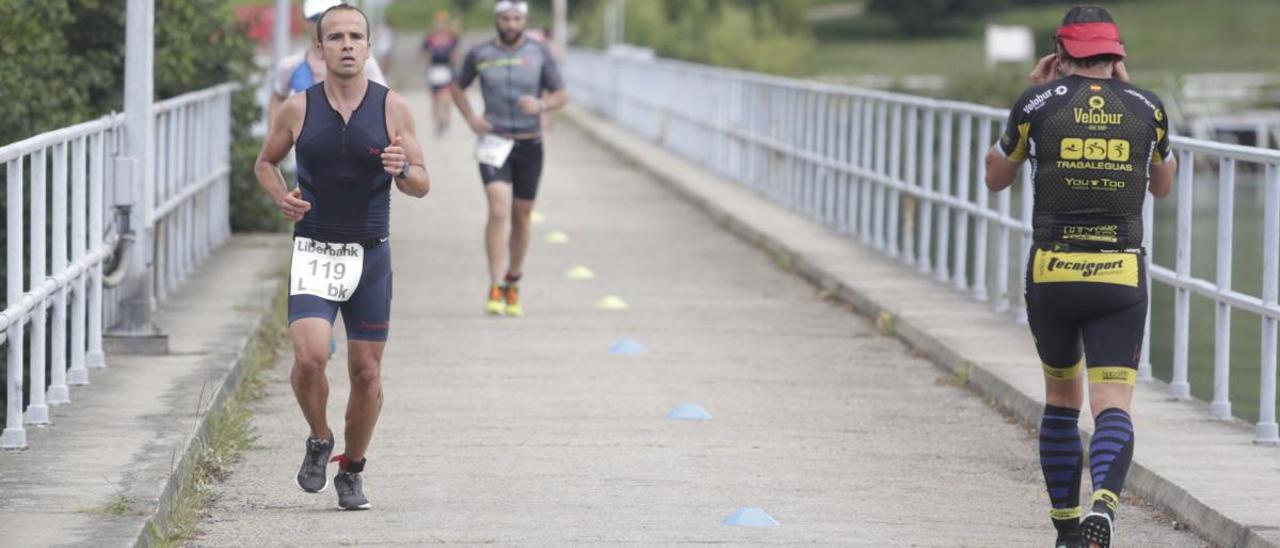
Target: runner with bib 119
point(354, 139)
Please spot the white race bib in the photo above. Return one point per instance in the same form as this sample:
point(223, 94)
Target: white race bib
point(493, 150)
point(439, 75)
point(328, 271)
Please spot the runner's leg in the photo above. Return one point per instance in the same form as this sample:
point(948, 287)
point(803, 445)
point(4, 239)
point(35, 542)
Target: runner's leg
point(526, 174)
point(364, 366)
point(310, 386)
point(495, 230)
point(521, 212)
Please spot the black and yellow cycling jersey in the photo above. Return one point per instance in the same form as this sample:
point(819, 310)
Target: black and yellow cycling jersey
point(1090, 142)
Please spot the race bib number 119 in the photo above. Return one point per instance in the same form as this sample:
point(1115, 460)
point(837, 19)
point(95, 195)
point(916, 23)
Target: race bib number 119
point(328, 271)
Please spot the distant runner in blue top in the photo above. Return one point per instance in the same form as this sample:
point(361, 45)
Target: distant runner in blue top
point(513, 73)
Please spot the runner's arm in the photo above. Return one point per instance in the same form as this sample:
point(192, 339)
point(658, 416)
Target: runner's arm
point(457, 90)
point(1162, 178)
point(273, 108)
point(1163, 162)
point(274, 149)
point(1001, 171)
point(404, 157)
point(1006, 155)
point(552, 82)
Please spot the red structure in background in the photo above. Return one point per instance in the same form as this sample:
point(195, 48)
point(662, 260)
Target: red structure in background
point(260, 19)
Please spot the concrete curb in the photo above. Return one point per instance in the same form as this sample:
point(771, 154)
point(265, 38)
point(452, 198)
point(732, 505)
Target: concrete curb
point(156, 525)
point(1207, 522)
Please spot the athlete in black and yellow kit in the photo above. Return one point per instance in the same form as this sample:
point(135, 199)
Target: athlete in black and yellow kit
point(1097, 145)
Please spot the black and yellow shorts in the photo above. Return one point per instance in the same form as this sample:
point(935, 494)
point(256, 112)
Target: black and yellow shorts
point(1089, 305)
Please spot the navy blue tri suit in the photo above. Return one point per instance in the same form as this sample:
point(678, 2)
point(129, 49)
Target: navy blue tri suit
point(341, 175)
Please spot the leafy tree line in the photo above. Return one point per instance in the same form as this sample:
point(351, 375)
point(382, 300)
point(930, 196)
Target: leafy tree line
point(65, 65)
point(760, 35)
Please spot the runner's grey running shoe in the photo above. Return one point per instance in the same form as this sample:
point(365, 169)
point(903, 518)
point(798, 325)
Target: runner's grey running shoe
point(1097, 528)
point(350, 489)
point(313, 475)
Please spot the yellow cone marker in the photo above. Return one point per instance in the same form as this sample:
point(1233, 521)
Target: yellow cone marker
point(537, 218)
point(557, 237)
point(580, 273)
point(611, 302)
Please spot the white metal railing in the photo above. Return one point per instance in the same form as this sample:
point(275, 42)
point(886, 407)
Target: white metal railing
point(904, 174)
point(69, 177)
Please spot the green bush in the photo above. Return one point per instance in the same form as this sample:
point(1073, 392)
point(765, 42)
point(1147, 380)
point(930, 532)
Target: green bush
point(758, 35)
point(70, 69)
point(931, 16)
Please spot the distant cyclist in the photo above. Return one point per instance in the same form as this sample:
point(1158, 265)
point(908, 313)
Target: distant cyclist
point(355, 139)
point(441, 45)
point(1097, 145)
point(513, 73)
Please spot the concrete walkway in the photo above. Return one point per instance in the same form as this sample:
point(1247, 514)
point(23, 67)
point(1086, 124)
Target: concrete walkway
point(528, 432)
point(95, 475)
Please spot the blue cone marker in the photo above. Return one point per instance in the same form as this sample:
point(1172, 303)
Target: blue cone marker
point(626, 347)
point(689, 412)
point(750, 517)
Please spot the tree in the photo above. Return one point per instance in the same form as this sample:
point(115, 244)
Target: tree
point(928, 16)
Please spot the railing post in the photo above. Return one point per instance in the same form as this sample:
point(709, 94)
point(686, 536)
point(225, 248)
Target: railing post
point(1268, 432)
point(865, 185)
point(135, 332)
point(1025, 211)
point(927, 152)
point(1179, 388)
point(93, 355)
point(1148, 233)
point(878, 216)
point(14, 436)
point(58, 393)
point(910, 206)
point(960, 259)
point(944, 190)
point(894, 207)
point(1220, 408)
point(77, 375)
point(980, 222)
point(37, 410)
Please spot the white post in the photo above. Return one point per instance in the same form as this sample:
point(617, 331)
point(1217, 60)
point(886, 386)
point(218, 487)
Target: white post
point(37, 410)
point(14, 436)
point(281, 43)
point(135, 333)
point(560, 23)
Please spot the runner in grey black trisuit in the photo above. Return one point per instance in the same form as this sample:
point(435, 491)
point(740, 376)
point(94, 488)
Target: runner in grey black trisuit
point(513, 73)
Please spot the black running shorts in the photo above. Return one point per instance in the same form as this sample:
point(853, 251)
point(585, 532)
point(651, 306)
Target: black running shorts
point(523, 169)
point(1090, 303)
point(367, 314)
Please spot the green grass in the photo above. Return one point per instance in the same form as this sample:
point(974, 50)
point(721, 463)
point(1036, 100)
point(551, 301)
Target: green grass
point(1177, 36)
point(118, 506)
point(230, 434)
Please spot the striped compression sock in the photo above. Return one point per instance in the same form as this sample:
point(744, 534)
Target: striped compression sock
point(1110, 452)
point(1062, 460)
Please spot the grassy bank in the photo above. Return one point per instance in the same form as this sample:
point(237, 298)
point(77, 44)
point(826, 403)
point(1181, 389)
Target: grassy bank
point(230, 433)
point(1176, 36)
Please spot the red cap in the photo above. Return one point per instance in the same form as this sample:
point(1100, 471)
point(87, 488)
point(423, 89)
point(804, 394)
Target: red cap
point(1089, 39)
